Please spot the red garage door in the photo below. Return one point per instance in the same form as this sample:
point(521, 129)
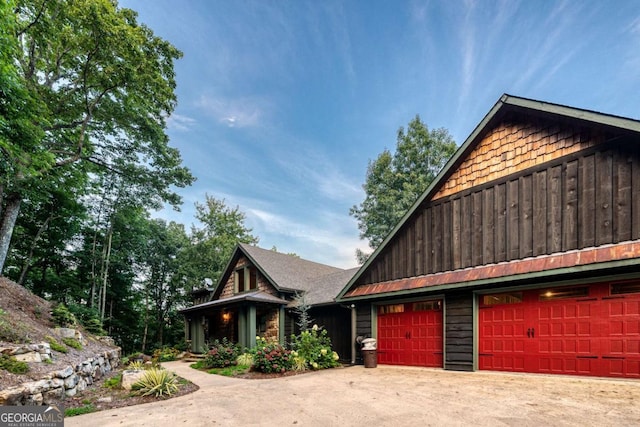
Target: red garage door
point(579, 330)
point(410, 334)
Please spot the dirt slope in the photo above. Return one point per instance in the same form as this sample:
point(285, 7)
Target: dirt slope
point(26, 319)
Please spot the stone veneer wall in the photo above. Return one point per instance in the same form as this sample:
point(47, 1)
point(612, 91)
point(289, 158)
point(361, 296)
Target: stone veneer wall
point(65, 382)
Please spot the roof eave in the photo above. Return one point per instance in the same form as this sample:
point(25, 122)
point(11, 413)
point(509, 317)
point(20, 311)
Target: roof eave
point(511, 279)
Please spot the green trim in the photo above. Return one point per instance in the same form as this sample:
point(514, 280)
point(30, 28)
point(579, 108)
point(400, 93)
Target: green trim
point(281, 321)
point(251, 326)
point(242, 327)
point(475, 318)
point(503, 279)
point(504, 103)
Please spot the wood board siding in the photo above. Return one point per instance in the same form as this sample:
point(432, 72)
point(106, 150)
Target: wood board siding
point(587, 199)
point(336, 320)
point(458, 341)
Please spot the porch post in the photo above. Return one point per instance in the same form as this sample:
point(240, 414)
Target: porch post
point(251, 326)
point(242, 327)
point(281, 320)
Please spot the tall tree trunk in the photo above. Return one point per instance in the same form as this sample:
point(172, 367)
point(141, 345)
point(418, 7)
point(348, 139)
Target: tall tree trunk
point(7, 223)
point(27, 261)
point(146, 321)
point(105, 273)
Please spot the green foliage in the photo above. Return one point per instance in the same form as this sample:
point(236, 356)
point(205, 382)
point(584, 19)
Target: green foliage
point(314, 346)
point(165, 354)
point(301, 309)
point(213, 239)
point(89, 317)
point(245, 359)
point(156, 382)
point(229, 371)
point(9, 363)
point(73, 343)
point(272, 358)
point(222, 353)
point(55, 345)
point(299, 362)
point(94, 325)
point(395, 181)
point(63, 317)
point(86, 409)
point(137, 365)
point(113, 382)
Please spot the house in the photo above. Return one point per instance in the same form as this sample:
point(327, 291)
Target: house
point(257, 296)
point(523, 254)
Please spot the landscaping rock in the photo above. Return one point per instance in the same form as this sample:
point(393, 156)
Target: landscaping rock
point(12, 396)
point(52, 395)
point(130, 377)
point(30, 357)
point(71, 382)
point(64, 373)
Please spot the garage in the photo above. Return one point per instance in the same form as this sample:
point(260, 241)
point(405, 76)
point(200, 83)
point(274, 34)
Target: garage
point(410, 333)
point(579, 330)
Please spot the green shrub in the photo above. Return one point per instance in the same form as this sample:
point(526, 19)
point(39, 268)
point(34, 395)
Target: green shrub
point(299, 363)
point(245, 359)
point(165, 354)
point(55, 345)
point(94, 325)
point(156, 382)
point(136, 365)
point(222, 353)
point(9, 363)
point(272, 358)
point(86, 409)
point(73, 343)
point(113, 382)
point(63, 317)
point(314, 346)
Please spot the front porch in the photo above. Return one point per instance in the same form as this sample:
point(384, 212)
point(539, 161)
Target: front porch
point(239, 319)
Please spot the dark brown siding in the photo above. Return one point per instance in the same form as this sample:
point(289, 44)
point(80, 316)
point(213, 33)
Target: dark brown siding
point(459, 331)
point(337, 321)
point(589, 198)
point(363, 325)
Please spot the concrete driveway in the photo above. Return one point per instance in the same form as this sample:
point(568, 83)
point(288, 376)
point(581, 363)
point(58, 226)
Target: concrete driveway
point(386, 396)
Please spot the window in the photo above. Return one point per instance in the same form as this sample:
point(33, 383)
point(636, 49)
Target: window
point(253, 278)
point(625, 288)
point(240, 280)
point(427, 305)
point(558, 293)
point(391, 308)
point(506, 298)
point(246, 279)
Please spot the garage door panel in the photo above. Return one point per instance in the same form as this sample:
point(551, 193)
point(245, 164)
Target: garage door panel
point(580, 330)
point(411, 335)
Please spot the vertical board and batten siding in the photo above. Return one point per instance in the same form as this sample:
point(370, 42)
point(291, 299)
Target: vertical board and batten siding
point(586, 199)
point(458, 334)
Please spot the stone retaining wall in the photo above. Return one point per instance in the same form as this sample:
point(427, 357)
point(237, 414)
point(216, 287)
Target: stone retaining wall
point(65, 382)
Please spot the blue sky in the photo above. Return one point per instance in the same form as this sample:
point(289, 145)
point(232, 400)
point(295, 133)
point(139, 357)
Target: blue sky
point(281, 104)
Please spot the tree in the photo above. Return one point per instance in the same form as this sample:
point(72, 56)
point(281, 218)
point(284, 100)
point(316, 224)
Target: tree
point(395, 181)
point(97, 87)
point(212, 243)
point(164, 288)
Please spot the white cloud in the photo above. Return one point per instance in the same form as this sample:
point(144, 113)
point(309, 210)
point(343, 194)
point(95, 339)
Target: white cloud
point(331, 239)
point(180, 122)
point(235, 112)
